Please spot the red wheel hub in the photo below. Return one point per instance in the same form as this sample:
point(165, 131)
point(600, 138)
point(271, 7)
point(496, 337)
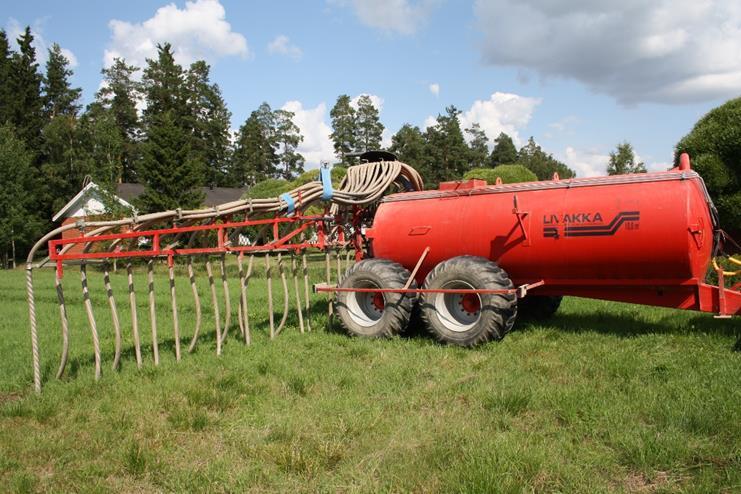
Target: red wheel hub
point(378, 301)
point(471, 303)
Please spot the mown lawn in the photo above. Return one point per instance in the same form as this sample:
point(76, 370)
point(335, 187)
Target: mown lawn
point(603, 397)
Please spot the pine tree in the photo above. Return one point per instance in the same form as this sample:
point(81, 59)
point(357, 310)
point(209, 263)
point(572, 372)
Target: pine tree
point(343, 129)
point(368, 127)
point(544, 165)
point(25, 90)
point(211, 119)
point(20, 224)
point(623, 160)
point(170, 173)
point(447, 152)
point(504, 152)
point(408, 144)
point(288, 137)
point(59, 97)
point(120, 94)
point(478, 146)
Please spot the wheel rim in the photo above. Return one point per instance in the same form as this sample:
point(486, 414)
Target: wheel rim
point(365, 308)
point(458, 312)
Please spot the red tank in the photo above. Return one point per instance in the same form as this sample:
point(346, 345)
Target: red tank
point(644, 238)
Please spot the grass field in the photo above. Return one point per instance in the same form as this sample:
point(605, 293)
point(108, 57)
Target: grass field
point(603, 397)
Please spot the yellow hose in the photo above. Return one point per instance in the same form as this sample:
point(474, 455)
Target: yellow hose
point(728, 273)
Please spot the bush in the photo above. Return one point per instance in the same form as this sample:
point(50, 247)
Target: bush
point(510, 174)
point(714, 145)
point(272, 187)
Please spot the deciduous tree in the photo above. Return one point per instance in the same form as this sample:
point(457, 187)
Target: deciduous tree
point(623, 160)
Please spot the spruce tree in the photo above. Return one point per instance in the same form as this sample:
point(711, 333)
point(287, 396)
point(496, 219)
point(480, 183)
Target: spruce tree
point(255, 157)
point(120, 94)
point(211, 119)
point(6, 113)
point(408, 144)
point(20, 223)
point(164, 89)
point(543, 164)
point(59, 97)
point(170, 169)
point(25, 91)
point(288, 137)
point(170, 173)
point(343, 129)
point(103, 147)
point(446, 149)
point(368, 126)
point(478, 146)
point(504, 152)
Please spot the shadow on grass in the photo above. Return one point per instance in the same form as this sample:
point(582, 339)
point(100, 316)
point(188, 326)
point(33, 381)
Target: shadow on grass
point(627, 325)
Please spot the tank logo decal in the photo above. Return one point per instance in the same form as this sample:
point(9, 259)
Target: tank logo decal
point(578, 224)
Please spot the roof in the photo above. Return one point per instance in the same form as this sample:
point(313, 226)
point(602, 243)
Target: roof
point(213, 195)
point(87, 202)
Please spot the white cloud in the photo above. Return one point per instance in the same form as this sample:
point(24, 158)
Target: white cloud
point(376, 100)
point(392, 16)
point(282, 45)
point(199, 31)
point(671, 51)
point(13, 30)
point(316, 146)
point(435, 88)
point(502, 112)
point(586, 163)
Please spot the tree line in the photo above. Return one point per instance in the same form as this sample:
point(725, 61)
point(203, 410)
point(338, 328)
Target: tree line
point(168, 127)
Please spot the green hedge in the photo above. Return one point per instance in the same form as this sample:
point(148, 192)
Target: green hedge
point(509, 174)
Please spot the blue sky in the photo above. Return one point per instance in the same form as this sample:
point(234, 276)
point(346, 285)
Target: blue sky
point(578, 76)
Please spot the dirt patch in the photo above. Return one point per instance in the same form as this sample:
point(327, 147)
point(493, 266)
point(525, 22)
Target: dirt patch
point(639, 482)
point(10, 397)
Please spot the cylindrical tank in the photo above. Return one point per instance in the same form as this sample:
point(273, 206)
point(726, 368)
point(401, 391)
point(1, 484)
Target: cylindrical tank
point(646, 229)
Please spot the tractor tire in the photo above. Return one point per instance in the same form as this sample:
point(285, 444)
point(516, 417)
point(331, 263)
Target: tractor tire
point(471, 319)
point(538, 307)
point(374, 315)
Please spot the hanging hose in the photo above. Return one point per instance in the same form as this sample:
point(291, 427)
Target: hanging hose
point(65, 326)
point(114, 316)
point(215, 303)
point(196, 301)
point(90, 319)
point(269, 277)
point(305, 268)
point(152, 312)
point(298, 295)
point(227, 302)
point(175, 322)
point(286, 301)
point(244, 321)
point(134, 318)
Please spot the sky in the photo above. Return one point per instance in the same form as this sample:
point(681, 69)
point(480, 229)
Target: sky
point(580, 76)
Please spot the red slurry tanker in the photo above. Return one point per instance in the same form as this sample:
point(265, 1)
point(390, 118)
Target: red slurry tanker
point(466, 257)
point(643, 238)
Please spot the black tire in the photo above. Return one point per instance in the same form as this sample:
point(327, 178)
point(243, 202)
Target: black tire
point(538, 307)
point(363, 313)
point(447, 316)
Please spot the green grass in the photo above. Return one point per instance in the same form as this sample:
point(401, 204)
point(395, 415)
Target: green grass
point(603, 397)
